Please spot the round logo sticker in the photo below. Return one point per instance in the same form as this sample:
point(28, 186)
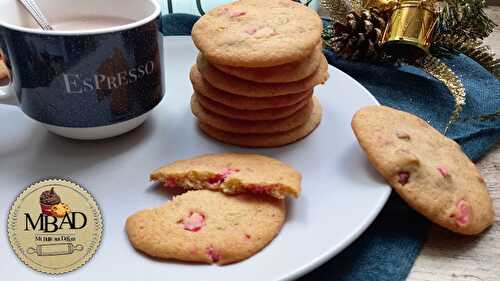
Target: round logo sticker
point(55, 226)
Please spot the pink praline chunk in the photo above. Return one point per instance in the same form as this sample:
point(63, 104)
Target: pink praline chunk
point(213, 254)
point(443, 170)
point(463, 213)
point(194, 222)
point(403, 177)
point(237, 13)
point(170, 182)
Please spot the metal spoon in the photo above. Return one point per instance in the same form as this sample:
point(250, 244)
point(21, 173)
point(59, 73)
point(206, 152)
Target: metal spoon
point(36, 13)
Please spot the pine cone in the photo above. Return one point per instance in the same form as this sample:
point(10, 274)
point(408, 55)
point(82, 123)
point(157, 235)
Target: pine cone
point(359, 38)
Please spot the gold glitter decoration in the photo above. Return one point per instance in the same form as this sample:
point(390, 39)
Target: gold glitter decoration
point(357, 5)
point(382, 5)
point(338, 9)
point(485, 117)
point(472, 48)
point(443, 73)
point(490, 117)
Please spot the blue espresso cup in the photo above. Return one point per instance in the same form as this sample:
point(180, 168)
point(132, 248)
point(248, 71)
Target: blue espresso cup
point(98, 74)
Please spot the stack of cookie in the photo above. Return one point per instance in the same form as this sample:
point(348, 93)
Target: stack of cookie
point(254, 77)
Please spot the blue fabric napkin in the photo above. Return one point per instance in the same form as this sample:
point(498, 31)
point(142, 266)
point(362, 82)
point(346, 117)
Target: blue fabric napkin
point(387, 250)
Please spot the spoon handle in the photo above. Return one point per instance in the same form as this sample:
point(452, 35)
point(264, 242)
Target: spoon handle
point(37, 14)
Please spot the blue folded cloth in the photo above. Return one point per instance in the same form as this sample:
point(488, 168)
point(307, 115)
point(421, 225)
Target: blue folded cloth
point(387, 250)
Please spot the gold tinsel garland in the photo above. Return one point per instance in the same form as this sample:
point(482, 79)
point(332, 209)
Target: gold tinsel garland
point(410, 32)
point(473, 48)
point(485, 117)
point(443, 73)
point(490, 117)
point(337, 9)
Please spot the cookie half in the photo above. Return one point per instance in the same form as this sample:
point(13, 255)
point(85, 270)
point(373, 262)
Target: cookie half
point(208, 227)
point(285, 73)
point(232, 173)
point(258, 33)
point(238, 86)
point(266, 140)
point(429, 171)
point(202, 87)
point(256, 115)
point(251, 127)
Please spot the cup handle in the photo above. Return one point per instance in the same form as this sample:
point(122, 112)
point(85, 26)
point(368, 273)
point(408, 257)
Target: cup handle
point(7, 95)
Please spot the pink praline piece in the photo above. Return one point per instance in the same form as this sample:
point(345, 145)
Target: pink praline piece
point(258, 188)
point(213, 254)
point(463, 213)
point(237, 13)
point(403, 177)
point(170, 182)
point(220, 177)
point(194, 222)
point(443, 170)
point(251, 30)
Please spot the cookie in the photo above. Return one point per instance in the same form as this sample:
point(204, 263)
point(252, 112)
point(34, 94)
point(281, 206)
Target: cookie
point(250, 127)
point(285, 73)
point(202, 87)
point(257, 33)
point(429, 171)
point(266, 140)
point(208, 227)
point(232, 173)
point(241, 114)
point(4, 72)
point(238, 86)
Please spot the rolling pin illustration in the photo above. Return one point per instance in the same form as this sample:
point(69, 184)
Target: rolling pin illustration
point(55, 249)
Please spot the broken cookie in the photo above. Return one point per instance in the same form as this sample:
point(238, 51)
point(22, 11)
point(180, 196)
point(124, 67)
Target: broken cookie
point(232, 173)
point(207, 226)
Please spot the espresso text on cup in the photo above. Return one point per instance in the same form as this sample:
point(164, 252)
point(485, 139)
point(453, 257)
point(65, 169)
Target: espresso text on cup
point(77, 84)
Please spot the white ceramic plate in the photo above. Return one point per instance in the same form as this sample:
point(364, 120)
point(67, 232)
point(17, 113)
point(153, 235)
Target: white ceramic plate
point(341, 192)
